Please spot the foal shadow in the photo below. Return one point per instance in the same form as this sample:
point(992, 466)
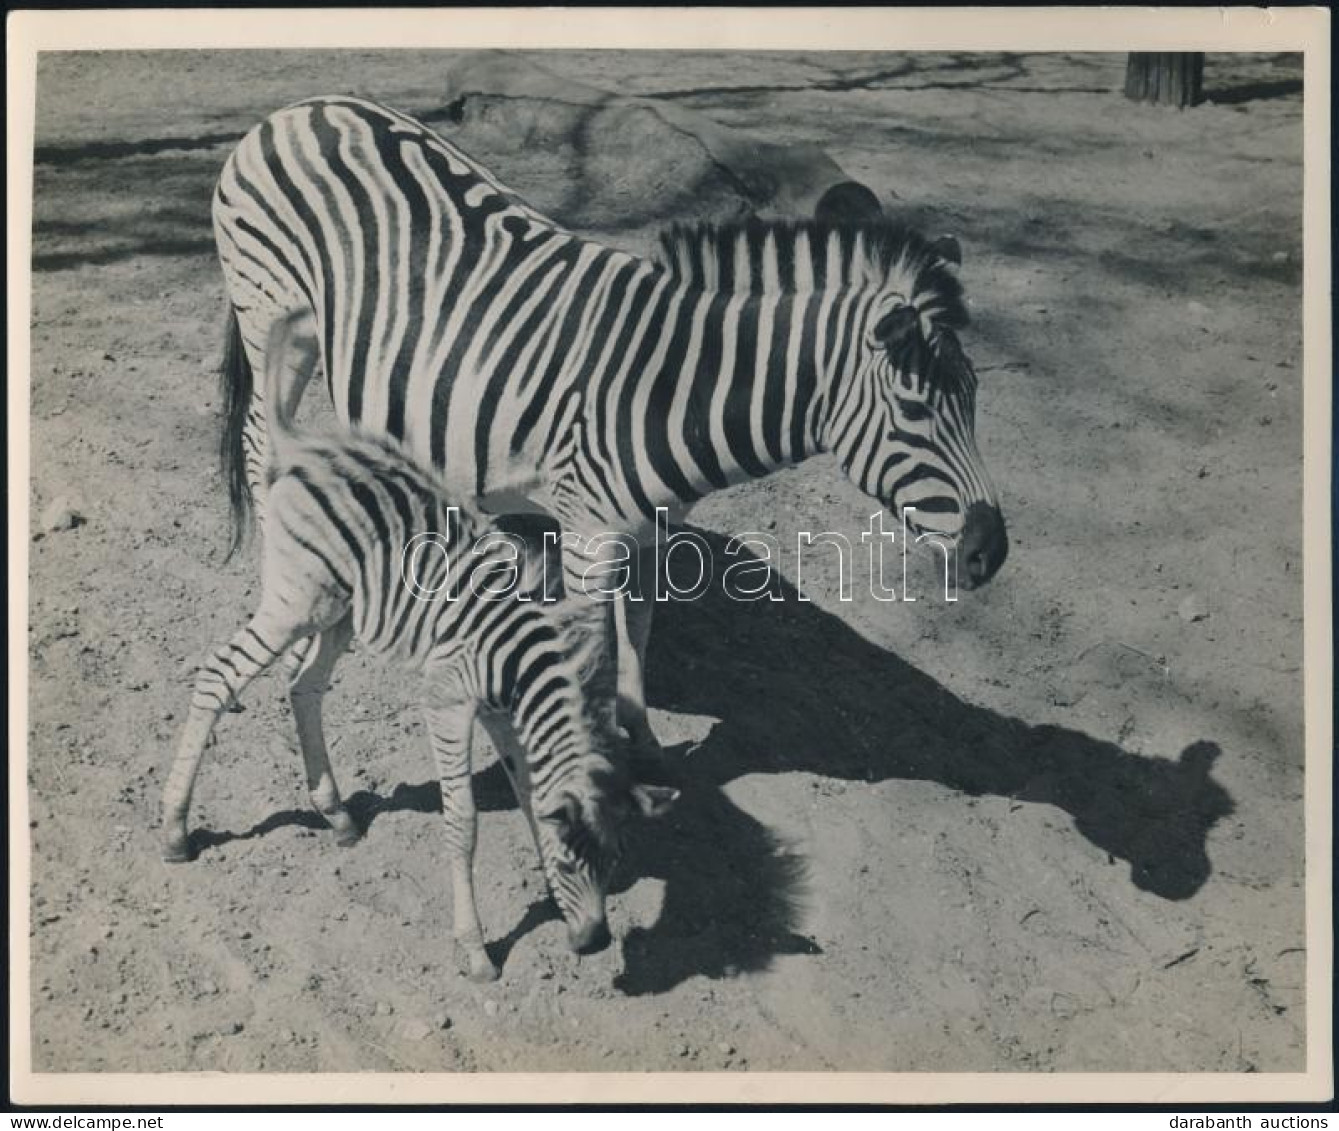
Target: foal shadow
point(492, 793)
point(735, 891)
point(363, 807)
point(202, 840)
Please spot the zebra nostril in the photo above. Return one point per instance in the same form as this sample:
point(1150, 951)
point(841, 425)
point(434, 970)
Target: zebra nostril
point(590, 937)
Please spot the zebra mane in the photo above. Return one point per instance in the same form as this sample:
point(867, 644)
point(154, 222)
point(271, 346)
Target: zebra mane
point(734, 258)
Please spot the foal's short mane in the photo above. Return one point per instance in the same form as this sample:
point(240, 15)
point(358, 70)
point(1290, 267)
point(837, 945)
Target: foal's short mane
point(733, 257)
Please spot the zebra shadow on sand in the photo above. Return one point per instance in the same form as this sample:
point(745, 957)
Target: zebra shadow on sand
point(856, 712)
point(734, 890)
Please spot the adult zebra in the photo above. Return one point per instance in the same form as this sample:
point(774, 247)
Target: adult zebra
point(535, 370)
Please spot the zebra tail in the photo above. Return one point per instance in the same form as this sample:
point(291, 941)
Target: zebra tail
point(235, 381)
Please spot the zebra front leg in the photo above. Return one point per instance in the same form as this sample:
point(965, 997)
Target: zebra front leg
point(451, 732)
point(305, 692)
point(217, 685)
point(512, 758)
point(588, 616)
point(632, 623)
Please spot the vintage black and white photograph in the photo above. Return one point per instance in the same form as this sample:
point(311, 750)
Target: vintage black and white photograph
point(667, 560)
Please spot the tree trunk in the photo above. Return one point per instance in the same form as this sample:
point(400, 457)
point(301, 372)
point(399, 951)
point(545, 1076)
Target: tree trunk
point(1166, 78)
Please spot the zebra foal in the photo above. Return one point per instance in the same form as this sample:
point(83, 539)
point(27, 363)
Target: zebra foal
point(340, 515)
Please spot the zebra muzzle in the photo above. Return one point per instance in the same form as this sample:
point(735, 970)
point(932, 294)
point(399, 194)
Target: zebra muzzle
point(591, 937)
point(984, 545)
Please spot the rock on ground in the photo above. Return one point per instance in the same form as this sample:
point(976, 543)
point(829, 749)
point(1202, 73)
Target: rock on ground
point(631, 159)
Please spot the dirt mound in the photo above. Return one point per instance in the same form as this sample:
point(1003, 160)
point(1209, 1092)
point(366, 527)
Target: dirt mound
point(629, 161)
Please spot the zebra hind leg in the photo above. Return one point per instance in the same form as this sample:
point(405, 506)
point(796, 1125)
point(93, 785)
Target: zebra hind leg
point(306, 691)
point(218, 685)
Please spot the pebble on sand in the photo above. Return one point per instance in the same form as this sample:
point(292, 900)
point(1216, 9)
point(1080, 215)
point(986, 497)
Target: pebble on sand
point(415, 1029)
point(1192, 608)
point(62, 513)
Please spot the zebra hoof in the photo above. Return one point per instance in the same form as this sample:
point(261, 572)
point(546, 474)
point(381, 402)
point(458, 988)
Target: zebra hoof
point(474, 963)
point(177, 850)
point(484, 972)
point(347, 838)
point(346, 832)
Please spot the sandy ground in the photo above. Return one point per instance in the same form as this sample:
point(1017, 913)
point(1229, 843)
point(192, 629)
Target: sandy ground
point(1053, 826)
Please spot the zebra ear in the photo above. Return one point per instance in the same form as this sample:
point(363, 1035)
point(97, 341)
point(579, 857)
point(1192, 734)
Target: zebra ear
point(898, 327)
point(654, 800)
point(849, 202)
point(948, 249)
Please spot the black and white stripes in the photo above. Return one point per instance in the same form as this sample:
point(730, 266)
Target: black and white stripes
point(532, 369)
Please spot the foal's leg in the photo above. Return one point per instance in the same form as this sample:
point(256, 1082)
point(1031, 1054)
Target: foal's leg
point(451, 731)
point(511, 756)
point(305, 692)
point(217, 686)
